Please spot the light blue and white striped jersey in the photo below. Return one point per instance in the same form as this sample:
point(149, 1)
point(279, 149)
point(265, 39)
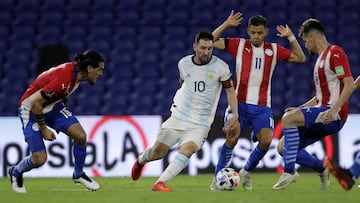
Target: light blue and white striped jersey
point(197, 99)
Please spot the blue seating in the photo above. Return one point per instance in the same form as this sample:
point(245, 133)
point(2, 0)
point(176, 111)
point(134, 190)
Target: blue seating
point(102, 17)
point(143, 40)
point(6, 18)
point(54, 5)
point(51, 18)
point(49, 35)
point(79, 5)
point(177, 18)
point(105, 5)
point(29, 18)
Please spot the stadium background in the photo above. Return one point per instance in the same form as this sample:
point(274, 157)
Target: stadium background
point(142, 41)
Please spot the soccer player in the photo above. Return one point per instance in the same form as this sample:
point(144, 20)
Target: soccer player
point(346, 177)
point(255, 63)
point(43, 105)
point(322, 115)
point(202, 77)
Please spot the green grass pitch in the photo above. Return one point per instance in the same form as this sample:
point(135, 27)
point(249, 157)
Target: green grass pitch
point(187, 189)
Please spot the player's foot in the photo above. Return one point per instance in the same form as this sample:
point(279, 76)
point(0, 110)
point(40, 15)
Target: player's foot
point(324, 179)
point(17, 183)
point(344, 176)
point(160, 186)
point(136, 170)
point(245, 178)
point(213, 185)
point(285, 180)
point(89, 183)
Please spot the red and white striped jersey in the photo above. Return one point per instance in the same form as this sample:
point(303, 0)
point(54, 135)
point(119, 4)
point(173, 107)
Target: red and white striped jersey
point(56, 83)
point(330, 67)
point(254, 69)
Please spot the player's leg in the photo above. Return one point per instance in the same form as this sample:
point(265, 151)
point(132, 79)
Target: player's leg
point(263, 125)
point(190, 142)
point(77, 133)
point(180, 161)
point(305, 159)
point(38, 155)
point(164, 140)
point(67, 123)
point(290, 121)
point(231, 140)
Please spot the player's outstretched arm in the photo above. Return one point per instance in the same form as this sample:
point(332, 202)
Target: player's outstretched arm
point(233, 20)
point(297, 52)
point(357, 83)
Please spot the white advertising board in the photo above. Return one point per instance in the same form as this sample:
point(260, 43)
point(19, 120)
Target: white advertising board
point(113, 145)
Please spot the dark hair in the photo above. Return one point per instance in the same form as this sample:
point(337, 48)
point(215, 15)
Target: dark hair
point(89, 57)
point(203, 35)
point(257, 20)
point(310, 25)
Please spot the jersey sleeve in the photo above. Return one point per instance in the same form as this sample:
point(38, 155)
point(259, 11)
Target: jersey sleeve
point(53, 91)
point(339, 62)
point(232, 45)
point(225, 73)
point(283, 54)
point(180, 64)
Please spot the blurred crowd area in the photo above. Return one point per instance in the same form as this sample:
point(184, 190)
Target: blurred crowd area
point(142, 41)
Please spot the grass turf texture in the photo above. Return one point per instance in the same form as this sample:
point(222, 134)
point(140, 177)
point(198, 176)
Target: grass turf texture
point(187, 189)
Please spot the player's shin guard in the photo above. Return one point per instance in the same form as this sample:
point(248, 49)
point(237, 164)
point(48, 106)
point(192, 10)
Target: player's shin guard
point(224, 158)
point(291, 146)
point(79, 156)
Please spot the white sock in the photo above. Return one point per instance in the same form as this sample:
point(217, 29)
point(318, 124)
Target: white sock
point(145, 156)
point(174, 168)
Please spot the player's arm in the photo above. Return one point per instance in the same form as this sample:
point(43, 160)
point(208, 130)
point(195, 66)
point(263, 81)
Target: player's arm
point(37, 105)
point(357, 83)
point(233, 122)
point(297, 54)
point(345, 94)
point(233, 20)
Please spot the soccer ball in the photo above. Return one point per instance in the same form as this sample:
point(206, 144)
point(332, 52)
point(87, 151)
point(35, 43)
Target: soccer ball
point(227, 179)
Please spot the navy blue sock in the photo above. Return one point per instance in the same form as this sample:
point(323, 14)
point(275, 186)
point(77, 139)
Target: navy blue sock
point(79, 156)
point(224, 158)
point(256, 155)
point(306, 159)
point(22, 167)
point(291, 146)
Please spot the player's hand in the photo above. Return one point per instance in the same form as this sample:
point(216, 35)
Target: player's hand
point(48, 134)
point(234, 19)
point(328, 116)
point(284, 31)
point(232, 124)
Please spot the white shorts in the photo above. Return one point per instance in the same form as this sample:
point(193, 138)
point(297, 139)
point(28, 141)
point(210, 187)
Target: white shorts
point(174, 131)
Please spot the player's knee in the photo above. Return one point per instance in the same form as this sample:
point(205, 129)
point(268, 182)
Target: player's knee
point(38, 159)
point(80, 139)
point(288, 119)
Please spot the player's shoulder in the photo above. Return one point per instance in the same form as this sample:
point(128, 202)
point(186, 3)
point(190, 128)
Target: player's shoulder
point(336, 48)
point(186, 59)
point(216, 59)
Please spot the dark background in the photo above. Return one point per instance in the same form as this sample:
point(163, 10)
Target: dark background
point(143, 40)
